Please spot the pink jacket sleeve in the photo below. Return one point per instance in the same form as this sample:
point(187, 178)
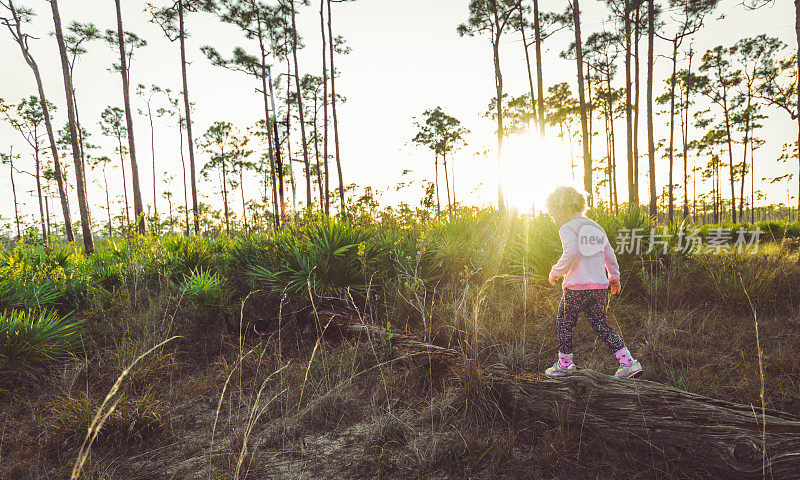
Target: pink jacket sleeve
point(611, 262)
point(569, 244)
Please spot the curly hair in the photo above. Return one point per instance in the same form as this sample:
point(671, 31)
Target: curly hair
point(565, 201)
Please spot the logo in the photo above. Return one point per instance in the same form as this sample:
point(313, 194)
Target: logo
point(591, 240)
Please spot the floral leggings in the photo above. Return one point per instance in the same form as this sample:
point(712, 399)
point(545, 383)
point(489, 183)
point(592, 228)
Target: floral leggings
point(593, 302)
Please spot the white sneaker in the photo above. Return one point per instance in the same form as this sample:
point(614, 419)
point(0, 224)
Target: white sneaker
point(629, 371)
point(558, 371)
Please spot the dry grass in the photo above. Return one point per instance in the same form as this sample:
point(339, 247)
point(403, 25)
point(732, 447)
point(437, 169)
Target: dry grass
point(271, 389)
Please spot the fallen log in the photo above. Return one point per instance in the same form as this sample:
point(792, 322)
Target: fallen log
point(723, 436)
point(733, 440)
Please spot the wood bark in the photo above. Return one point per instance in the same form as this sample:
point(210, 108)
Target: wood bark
point(138, 209)
point(335, 117)
point(447, 184)
point(660, 420)
point(651, 149)
point(527, 60)
point(187, 109)
point(316, 153)
point(797, 34)
point(650, 418)
point(686, 103)
point(587, 157)
point(498, 83)
point(633, 194)
point(637, 84)
point(38, 175)
point(539, 84)
point(83, 202)
point(278, 161)
point(266, 91)
point(300, 110)
point(14, 192)
point(183, 166)
point(153, 153)
point(124, 181)
point(15, 27)
point(730, 144)
point(325, 106)
point(670, 187)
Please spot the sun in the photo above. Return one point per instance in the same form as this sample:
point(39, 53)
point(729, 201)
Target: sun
point(531, 167)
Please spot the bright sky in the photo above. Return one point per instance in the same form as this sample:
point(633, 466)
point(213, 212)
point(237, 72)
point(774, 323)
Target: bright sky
point(406, 57)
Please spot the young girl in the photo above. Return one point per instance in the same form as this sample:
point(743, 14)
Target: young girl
point(586, 257)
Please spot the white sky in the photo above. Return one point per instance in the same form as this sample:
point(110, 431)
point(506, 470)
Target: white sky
point(406, 57)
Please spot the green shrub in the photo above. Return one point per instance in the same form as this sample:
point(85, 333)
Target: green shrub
point(32, 278)
point(328, 255)
point(204, 291)
point(183, 255)
point(29, 338)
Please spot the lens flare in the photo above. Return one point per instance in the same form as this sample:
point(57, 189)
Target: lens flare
point(532, 166)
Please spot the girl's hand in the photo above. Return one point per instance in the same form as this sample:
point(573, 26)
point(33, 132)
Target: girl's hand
point(615, 286)
point(552, 278)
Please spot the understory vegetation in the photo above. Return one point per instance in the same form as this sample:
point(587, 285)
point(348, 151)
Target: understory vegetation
point(253, 383)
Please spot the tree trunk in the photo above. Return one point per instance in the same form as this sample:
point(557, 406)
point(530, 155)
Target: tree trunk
point(300, 110)
point(187, 107)
point(316, 154)
point(633, 194)
point(124, 182)
point(183, 165)
point(540, 86)
point(590, 106)
point(83, 203)
point(651, 149)
point(288, 133)
point(19, 37)
point(436, 180)
point(138, 210)
point(730, 151)
point(335, 118)
point(608, 158)
point(527, 60)
point(613, 144)
point(797, 34)
point(453, 179)
point(447, 183)
point(80, 142)
point(108, 202)
point(752, 186)
point(39, 187)
point(498, 83)
point(671, 199)
point(171, 221)
point(225, 193)
point(325, 107)
point(241, 190)
point(687, 94)
point(587, 158)
point(47, 215)
point(278, 161)
point(744, 154)
point(14, 192)
point(722, 436)
point(637, 84)
point(269, 124)
point(153, 152)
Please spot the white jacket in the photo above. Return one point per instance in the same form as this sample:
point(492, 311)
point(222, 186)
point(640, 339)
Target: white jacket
point(587, 256)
